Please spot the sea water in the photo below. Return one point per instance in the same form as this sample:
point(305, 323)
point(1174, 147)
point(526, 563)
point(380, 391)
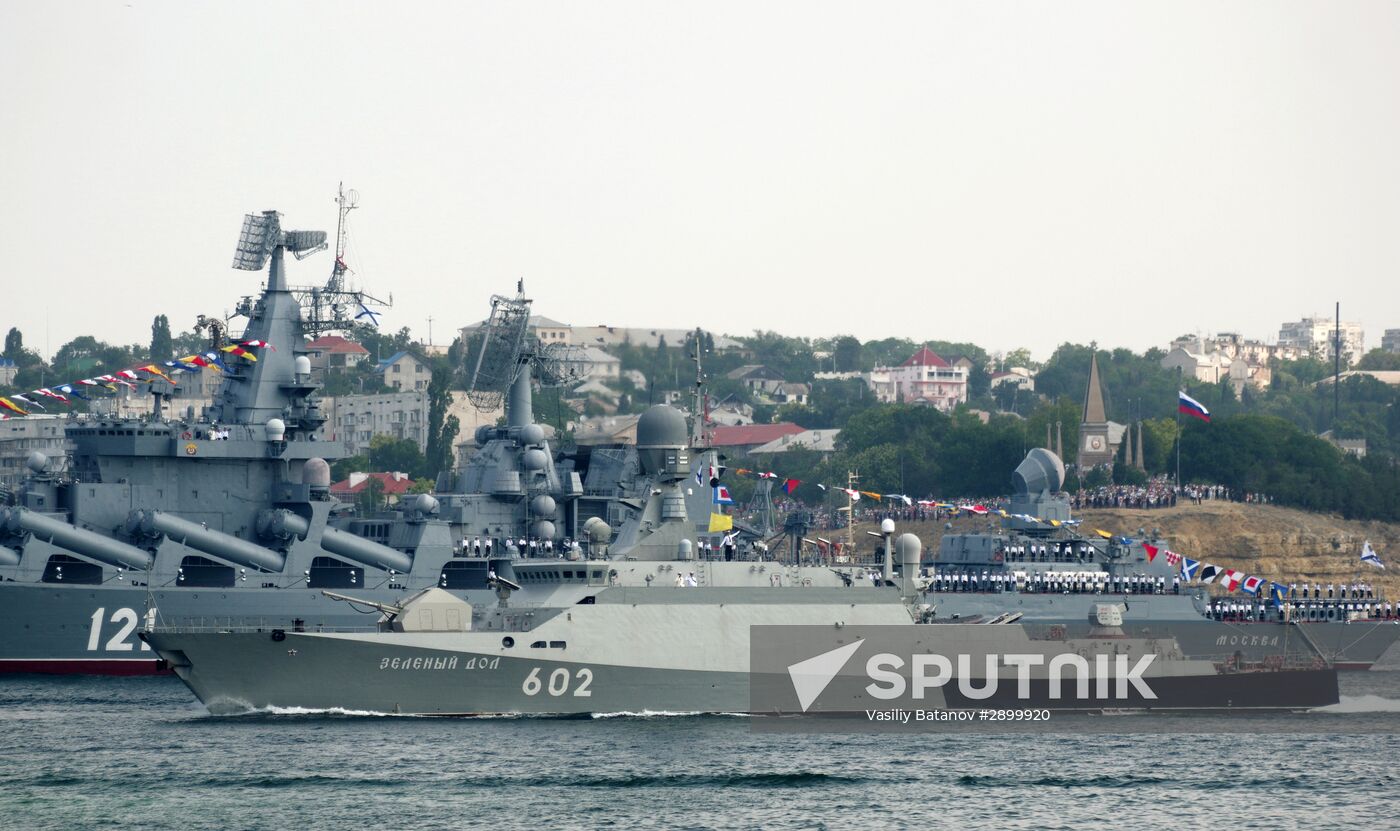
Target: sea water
point(87, 753)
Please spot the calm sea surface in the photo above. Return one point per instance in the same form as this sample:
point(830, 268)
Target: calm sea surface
point(141, 753)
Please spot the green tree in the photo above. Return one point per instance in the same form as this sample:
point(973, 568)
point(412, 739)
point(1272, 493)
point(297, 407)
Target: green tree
point(847, 354)
point(162, 346)
point(1375, 360)
point(1017, 357)
point(371, 499)
point(442, 428)
point(14, 344)
point(390, 455)
point(341, 470)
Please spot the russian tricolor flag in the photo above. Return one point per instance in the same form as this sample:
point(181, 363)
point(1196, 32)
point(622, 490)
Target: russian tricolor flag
point(1190, 406)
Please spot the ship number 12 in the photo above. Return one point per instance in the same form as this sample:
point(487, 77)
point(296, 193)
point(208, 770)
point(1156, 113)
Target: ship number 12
point(126, 620)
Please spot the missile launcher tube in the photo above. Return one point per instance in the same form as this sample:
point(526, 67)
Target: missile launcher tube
point(216, 543)
point(365, 551)
point(81, 541)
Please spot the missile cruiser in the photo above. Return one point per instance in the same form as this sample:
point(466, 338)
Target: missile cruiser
point(604, 634)
point(226, 516)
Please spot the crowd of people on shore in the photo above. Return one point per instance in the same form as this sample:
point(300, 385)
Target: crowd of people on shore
point(1158, 492)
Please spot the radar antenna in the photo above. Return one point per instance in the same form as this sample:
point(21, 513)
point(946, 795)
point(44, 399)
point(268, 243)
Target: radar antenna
point(499, 357)
point(262, 234)
point(506, 351)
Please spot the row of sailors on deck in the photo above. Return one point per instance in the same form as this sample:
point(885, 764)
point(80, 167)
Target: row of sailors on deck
point(525, 546)
point(1355, 591)
point(1071, 582)
point(1243, 610)
point(1053, 552)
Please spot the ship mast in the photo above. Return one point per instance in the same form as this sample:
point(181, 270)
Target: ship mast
point(700, 410)
point(852, 479)
point(334, 306)
point(347, 202)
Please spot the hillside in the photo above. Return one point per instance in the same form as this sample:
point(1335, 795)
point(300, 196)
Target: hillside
point(1277, 543)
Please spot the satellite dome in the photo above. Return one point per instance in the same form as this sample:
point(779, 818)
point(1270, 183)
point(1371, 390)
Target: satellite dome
point(544, 529)
point(1041, 471)
point(531, 434)
point(543, 505)
point(597, 529)
point(302, 365)
point(36, 461)
point(316, 473)
point(886, 526)
point(535, 459)
point(425, 504)
point(662, 426)
point(276, 429)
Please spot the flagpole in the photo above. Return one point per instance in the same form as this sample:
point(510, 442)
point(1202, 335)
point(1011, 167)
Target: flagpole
point(1178, 447)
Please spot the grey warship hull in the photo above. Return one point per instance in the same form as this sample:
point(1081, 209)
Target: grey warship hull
point(93, 629)
point(675, 657)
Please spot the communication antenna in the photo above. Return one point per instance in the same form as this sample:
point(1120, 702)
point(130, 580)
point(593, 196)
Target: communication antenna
point(347, 201)
point(336, 306)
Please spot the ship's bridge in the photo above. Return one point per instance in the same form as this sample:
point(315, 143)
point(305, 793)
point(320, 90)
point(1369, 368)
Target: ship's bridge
point(554, 572)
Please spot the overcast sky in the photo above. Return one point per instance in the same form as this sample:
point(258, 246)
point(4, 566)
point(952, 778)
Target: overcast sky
point(1013, 174)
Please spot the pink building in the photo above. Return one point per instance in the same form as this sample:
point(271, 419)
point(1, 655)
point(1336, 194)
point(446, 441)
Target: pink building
point(924, 378)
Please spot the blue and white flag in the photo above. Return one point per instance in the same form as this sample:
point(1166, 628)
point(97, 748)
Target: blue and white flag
point(1189, 567)
point(722, 496)
point(1369, 555)
point(365, 312)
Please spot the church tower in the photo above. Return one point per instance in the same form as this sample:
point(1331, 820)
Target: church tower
point(1094, 448)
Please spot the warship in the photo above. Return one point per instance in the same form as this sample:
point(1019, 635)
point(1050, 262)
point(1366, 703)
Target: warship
point(1053, 575)
point(664, 632)
point(226, 515)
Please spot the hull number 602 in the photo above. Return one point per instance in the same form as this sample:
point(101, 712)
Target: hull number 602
point(559, 682)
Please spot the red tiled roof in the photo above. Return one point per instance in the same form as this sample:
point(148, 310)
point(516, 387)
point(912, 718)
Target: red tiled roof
point(395, 484)
point(925, 357)
point(337, 344)
point(752, 433)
